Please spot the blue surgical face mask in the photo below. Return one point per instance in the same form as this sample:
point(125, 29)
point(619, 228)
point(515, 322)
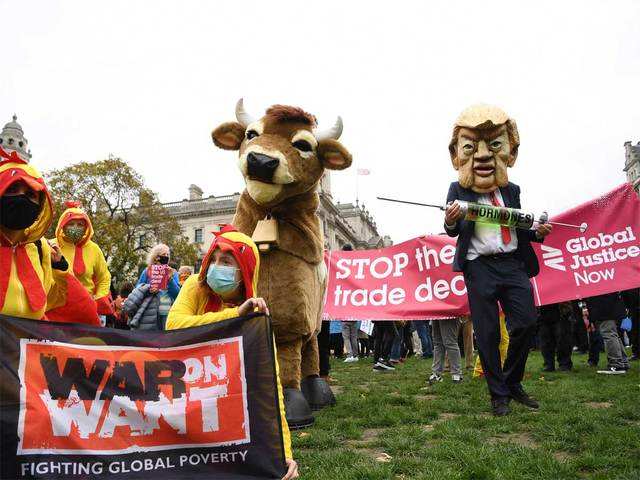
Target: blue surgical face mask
point(222, 278)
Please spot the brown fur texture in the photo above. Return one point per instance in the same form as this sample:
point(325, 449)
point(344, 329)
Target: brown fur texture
point(298, 224)
point(289, 281)
point(292, 276)
point(285, 113)
point(333, 155)
point(228, 136)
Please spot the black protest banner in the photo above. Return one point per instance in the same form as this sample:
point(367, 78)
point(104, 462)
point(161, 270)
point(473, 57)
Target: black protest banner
point(86, 402)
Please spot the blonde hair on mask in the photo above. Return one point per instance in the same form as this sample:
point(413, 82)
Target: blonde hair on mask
point(156, 251)
point(512, 132)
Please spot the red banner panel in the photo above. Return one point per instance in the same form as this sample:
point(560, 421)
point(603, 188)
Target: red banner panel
point(414, 280)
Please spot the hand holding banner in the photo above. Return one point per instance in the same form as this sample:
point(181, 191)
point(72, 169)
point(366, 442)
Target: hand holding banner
point(82, 401)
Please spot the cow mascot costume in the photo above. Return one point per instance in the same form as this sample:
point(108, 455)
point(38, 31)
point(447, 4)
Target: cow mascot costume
point(282, 158)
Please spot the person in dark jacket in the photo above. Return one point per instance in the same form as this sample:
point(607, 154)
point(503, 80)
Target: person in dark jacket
point(497, 261)
point(605, 311)
point(142, 307)
point(632, 301)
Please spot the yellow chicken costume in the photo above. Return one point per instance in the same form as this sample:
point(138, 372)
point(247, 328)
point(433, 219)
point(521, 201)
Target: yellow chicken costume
point(29, 286)
point(503, 347)
point(85, 258)
point(197, 304)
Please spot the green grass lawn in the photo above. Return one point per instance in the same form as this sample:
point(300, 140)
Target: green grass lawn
point(392, 426)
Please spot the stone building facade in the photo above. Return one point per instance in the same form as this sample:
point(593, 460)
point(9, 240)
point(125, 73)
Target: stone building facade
point(342, 223)
point(632, 164)
point(12, 139)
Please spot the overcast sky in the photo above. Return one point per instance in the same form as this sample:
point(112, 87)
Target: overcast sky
point(148, 81)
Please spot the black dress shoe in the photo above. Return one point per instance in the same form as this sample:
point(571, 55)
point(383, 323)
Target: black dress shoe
point(500, 407)
point(548, 369)
point(520, 396)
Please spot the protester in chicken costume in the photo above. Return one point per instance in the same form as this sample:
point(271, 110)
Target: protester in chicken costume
point(282, 158)
point(226, 288)
point(33, 276)
point(74, 235)
point(496, 260)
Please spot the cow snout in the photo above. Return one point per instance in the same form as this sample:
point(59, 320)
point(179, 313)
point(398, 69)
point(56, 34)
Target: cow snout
point(261, 167)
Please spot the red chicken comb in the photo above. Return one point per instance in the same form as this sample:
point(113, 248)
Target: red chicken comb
point(224, 228)
point(13, 157)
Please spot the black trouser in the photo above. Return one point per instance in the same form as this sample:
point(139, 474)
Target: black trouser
point(385, 335)
point(364, 347)
point(634, 334)
point(323, 348)
point(580, 336)
point(336, 344)
point(596, 346)
point(632, 302)
point(493, 279)
point(406, 332)
point(555, 341)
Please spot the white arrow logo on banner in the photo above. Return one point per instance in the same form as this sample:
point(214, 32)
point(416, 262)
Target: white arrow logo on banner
point(553, 258)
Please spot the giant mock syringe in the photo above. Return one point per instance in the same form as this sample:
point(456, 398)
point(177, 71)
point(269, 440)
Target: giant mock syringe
point(509, 217)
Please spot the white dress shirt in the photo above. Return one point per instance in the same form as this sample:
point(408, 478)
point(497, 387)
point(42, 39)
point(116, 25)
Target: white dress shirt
point(487, 237)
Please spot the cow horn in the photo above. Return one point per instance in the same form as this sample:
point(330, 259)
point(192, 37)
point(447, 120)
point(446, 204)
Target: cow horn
point(332, 133)
point(242, 116)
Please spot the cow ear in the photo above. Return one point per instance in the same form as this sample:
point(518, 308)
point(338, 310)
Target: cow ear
point(333, 155)
point(228, 136)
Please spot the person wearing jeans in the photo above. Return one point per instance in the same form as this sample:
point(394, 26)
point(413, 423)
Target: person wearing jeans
point(605, 311)
point(445, 340)
point(350, 338)
point(422, 327)
point(466, 327)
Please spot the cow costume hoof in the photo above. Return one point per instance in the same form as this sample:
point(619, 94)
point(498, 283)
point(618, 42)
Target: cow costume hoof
point(318, 393)
point(297, 409)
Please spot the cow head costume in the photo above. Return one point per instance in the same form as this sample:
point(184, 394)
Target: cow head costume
point(282, 157)
point(484, 144)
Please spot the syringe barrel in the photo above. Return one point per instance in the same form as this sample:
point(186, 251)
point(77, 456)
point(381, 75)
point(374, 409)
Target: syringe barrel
point(509, 217)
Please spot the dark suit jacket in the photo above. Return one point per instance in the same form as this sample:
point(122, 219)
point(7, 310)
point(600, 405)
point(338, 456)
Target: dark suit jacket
point(464, 229)
point(606, 307)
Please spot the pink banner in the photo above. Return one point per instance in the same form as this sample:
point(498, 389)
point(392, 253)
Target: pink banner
point(414, 280)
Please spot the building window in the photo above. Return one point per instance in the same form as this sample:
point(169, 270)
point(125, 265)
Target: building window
point(198, 235)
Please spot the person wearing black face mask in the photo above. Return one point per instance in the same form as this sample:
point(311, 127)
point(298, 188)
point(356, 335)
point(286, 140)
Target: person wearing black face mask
point(27, 260)
point(19, 210)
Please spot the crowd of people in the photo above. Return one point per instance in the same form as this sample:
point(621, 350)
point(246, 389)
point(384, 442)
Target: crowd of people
point(56, 278)
point(606, 323)
point(67, 278)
